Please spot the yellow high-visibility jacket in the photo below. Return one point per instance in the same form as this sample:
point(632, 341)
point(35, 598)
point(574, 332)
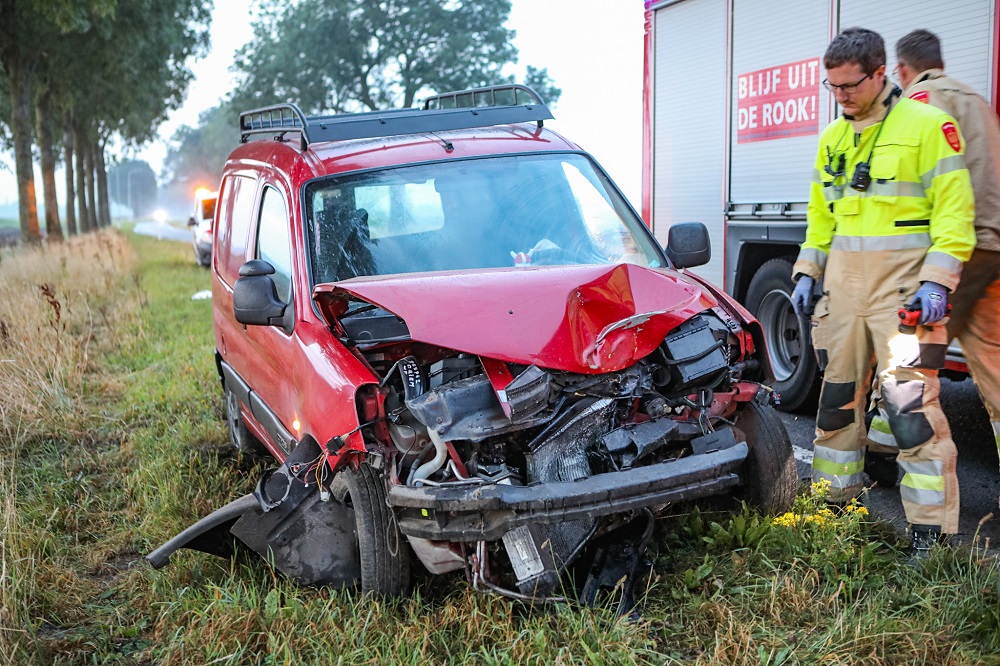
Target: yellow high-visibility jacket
point(920, 194)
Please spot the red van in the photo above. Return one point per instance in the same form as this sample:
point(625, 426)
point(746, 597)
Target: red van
point(466, 352)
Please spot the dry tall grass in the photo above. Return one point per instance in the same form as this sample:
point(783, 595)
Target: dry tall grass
point(56, 307)
point(59, 306)
point(15, 577)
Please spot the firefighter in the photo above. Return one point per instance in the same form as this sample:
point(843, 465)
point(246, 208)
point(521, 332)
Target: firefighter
point(890, 222)
point(975, 315)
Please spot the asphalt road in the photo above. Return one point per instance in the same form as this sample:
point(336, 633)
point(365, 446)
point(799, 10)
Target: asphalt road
point(978, 473)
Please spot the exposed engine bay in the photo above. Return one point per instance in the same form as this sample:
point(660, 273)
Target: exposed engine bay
point(466, 437)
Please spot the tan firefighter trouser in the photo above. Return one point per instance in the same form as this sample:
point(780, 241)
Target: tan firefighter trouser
point(855, 323)
point(975, 322)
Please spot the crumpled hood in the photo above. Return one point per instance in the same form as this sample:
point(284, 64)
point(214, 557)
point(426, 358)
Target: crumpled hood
point(588, 319)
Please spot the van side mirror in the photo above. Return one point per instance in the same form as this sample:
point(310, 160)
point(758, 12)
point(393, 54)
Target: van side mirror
point(255, 297)
point(191, 221)
point(688, 245)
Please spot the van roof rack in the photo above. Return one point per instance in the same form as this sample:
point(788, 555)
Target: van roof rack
point(463, 109)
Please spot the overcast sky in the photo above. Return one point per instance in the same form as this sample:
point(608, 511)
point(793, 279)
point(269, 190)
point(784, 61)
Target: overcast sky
point(592, 49)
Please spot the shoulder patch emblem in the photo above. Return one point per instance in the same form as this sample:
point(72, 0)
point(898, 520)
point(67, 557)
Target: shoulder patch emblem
point(921, 96)
point(951, 135)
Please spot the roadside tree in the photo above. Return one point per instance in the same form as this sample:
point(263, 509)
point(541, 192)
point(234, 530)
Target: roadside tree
point(353, 55)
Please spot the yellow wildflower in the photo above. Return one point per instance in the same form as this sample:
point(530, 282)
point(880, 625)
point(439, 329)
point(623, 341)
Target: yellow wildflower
point(821, 488)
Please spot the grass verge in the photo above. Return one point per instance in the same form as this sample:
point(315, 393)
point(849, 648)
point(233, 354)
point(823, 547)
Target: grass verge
point(113, 441)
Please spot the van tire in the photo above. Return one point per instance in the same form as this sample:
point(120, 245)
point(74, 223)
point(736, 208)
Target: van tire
point(771, 477)
point(384, 552)
point(239, 436)
point(789, 349)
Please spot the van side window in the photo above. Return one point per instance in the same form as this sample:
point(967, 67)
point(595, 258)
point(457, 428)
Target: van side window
point(272, 241)
point(236, 198)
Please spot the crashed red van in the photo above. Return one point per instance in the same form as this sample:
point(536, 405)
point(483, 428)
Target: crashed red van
point(466, 352)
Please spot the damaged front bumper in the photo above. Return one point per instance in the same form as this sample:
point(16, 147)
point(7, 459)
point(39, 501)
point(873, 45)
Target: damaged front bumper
point(487, 512)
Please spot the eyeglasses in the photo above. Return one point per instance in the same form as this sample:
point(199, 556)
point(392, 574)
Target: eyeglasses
point(846, 88)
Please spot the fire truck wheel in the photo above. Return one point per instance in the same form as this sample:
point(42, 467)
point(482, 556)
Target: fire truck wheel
point(797, 377)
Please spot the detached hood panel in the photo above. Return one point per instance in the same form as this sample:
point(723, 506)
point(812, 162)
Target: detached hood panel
point(589, 319)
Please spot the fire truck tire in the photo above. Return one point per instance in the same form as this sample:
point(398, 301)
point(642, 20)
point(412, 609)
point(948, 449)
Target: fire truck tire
point(797, 377)
point(384, 552)
point(771, 478)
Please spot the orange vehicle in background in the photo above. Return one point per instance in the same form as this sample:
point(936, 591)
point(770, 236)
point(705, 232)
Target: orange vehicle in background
point(201, 222)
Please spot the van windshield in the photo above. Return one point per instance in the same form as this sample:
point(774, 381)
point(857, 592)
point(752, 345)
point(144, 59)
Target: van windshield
point(510, 211)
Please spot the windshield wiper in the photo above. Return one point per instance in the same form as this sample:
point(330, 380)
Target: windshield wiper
point(367, 307)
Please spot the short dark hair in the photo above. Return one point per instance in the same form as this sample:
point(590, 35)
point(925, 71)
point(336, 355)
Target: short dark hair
point(920, 50)
point(856, 45)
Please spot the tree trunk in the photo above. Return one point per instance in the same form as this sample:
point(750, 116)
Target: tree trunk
point(20, 127)
point(88, 175)
point(68, 160)
point(43, 120)
point(81, 180)
point(103, 205)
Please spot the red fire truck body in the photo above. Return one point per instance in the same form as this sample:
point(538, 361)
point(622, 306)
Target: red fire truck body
point(733, 108)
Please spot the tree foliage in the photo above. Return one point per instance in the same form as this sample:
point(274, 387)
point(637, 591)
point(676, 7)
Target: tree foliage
point(349, 56)
point(26, 30)
point(358, 55)
point(97, 69)
point(197, 154)
point(129, 69)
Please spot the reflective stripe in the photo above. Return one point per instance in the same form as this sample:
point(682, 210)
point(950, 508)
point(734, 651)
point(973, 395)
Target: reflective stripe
point(880, 432)
point(944, 165)
point(837, 456)
point(883, 438)
point(921, 496)
point(896, 188)
point(838, 469)
point(922, 484)
point(945, 261)
point(881, 425)
point(928, 469)
point(923, 481)
point(841, 468)
point(818, 176)
point(812, 254)
point(890, 188)
point(996, 432)
point(881, 243)
point(837, 481)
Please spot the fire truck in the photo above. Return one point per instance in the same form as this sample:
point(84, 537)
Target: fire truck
point(733, 107)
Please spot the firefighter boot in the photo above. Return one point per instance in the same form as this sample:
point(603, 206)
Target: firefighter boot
point(923, 538)
point(882, 468)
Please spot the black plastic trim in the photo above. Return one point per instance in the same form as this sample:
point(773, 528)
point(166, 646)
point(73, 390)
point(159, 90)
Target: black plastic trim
point(235, 383)
point(264, 414)
point(218, 518)
point(282, 118)
point(487, 512)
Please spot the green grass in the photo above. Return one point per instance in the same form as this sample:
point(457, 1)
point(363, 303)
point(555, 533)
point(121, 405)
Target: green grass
point(136, 449)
